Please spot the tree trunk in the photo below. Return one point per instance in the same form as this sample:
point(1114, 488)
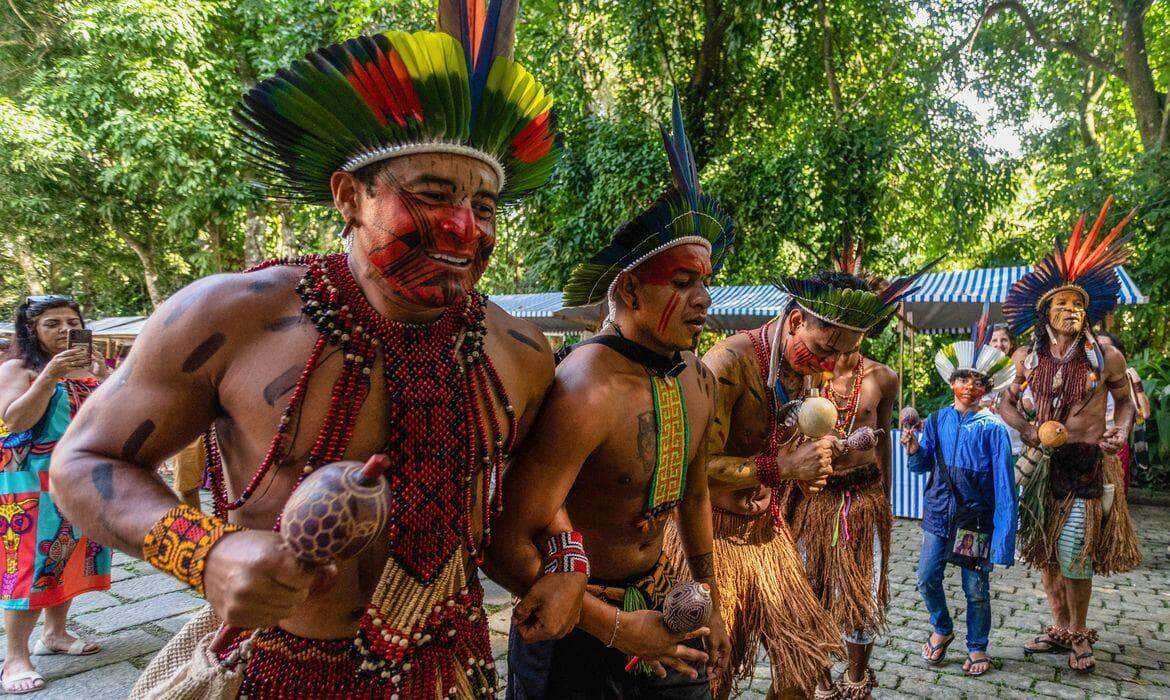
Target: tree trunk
point(28, 266)
point(1147, 103)
point(288, 234)
point(254, 231)
point(215, 244)
point(706, 124)
point(827, 58)
point(149, 268)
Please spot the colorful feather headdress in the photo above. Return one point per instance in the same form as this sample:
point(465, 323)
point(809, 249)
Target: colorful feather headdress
point(680, 216)
point(376, 97)
point(849, 258)
point(1083, 267)
point(976, 355)
point(858, 310)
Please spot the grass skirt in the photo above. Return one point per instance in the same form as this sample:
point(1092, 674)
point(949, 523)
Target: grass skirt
point(1110, 543)
point(835, 529)
point(765, 597)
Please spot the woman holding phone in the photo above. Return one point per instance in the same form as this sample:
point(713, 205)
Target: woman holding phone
point(46, 562)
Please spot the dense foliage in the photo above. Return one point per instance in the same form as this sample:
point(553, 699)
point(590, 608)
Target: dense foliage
point(120, 182)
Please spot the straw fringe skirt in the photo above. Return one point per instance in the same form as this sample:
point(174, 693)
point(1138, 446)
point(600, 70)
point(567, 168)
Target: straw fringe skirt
point(764, 597)
point(835, 529)
point(1110, 543)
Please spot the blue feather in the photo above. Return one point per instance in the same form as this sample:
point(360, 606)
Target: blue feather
point(478, 75)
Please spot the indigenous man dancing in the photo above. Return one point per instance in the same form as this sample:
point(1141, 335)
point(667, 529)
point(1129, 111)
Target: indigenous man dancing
point(835, 527)
point(1074, 520)
point(757, 451)
point(416, 139)
point(619, 446)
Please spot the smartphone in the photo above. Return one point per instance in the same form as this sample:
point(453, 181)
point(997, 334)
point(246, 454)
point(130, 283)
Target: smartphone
point(80, 336)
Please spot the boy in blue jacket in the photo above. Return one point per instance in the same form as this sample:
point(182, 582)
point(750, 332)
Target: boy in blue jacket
point(969, 511)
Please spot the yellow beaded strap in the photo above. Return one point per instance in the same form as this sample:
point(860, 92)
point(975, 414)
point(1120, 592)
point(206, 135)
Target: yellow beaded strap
point(670, 468)
point(179, 541)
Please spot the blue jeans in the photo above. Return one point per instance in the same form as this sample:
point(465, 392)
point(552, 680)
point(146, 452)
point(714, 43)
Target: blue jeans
point(932, 563)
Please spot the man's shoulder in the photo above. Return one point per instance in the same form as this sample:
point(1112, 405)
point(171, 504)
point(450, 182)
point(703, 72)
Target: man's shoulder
point(236, 298)
point(518, 330)
point(880, 372)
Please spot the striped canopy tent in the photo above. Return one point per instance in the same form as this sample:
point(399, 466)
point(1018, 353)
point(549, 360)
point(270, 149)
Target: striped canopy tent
point(950, 302)
point(541, 309)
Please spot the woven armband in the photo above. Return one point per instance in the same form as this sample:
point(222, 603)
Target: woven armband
point(565, 554)
point(179, 541)
point(767, 470)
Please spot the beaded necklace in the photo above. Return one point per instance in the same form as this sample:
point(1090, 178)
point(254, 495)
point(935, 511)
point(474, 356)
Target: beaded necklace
point(424, 624)
point(847, 414)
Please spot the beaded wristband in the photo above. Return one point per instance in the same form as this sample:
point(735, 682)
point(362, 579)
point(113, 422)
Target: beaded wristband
point(767, 470)
point(565, 554)
point(617, 625)
point(179, 541)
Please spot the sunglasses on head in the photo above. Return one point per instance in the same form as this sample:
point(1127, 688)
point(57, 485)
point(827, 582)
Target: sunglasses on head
point(46, 298)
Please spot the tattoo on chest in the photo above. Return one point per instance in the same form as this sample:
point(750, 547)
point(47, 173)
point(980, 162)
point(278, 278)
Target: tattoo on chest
point(647, 441)
point(204, 352)
point(517, 335)
point(282, 385)
point(137, 439)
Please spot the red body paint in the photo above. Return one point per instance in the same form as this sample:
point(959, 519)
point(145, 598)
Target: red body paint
point(661, 268)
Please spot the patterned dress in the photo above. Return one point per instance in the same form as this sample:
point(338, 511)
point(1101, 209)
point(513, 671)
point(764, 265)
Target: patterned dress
point(46, 561)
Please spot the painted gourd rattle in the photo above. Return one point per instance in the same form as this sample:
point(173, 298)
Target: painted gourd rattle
point(334, 514)
point(686, 609)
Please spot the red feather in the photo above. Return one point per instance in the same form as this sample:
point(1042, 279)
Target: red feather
point(535, 141)
point(1081, 254)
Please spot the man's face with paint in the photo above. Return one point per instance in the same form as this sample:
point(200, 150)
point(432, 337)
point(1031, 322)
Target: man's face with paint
point(671, 289)
point(814, 346)
point(427, 226)
point(1066, 312)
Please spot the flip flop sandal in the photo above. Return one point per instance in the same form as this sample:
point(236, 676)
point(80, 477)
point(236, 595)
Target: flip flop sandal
point(79, 647)
point(933, 649)
point(971, 661)
point(9, 683)
point(1055, 645)
point(1080, 657)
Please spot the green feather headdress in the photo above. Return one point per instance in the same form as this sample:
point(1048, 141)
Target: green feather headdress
point(376, 97)
point(680, 216)
point(855, 309)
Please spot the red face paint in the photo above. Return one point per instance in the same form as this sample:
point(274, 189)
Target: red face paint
point(805, 361)
point(431, 255)
point(661, 269)
point(968, 391)
point(667, 312)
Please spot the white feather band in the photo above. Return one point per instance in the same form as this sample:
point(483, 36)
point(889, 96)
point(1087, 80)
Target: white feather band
point(407, 149)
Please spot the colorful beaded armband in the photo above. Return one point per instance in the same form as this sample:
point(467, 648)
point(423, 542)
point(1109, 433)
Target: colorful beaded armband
point(767, 470)
point(179, 542)
point(565, 554)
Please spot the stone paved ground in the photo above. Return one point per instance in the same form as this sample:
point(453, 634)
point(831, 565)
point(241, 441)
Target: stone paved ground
point(1132, 612)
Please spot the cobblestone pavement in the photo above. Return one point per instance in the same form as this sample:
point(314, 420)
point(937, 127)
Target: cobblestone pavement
point(1132, 612)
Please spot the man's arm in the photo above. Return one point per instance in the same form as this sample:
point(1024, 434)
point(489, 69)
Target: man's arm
point(103, 474)
point(571, 424)
point(725, 365)
point(1123, 408)
point(1003, 538)
point(889, 387)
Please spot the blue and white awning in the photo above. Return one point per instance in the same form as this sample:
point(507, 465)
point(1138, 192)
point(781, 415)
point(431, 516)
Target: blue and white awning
point(949, 302)
point(946, 302)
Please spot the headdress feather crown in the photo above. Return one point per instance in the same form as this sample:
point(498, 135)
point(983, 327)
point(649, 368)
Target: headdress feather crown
point(977, 356)
point(457, 90)
point(862, 310)
point(681, 215)
point(1085, 266)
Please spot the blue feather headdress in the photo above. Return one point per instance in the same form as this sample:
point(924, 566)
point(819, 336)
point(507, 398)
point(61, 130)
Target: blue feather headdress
point(680, 216)
point(1081, 267)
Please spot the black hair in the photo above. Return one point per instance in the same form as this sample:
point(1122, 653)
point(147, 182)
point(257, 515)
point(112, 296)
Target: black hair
point(26, 346)
point(1115, 342)
point(831, 278)
point(984, 380)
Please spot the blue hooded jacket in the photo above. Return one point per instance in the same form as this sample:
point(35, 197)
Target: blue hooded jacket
point(980, 464)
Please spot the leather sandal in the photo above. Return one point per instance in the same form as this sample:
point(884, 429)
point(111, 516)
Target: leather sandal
point(1054, 636)
point(971, 661)
point(930, 651)
point(1085, 636)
